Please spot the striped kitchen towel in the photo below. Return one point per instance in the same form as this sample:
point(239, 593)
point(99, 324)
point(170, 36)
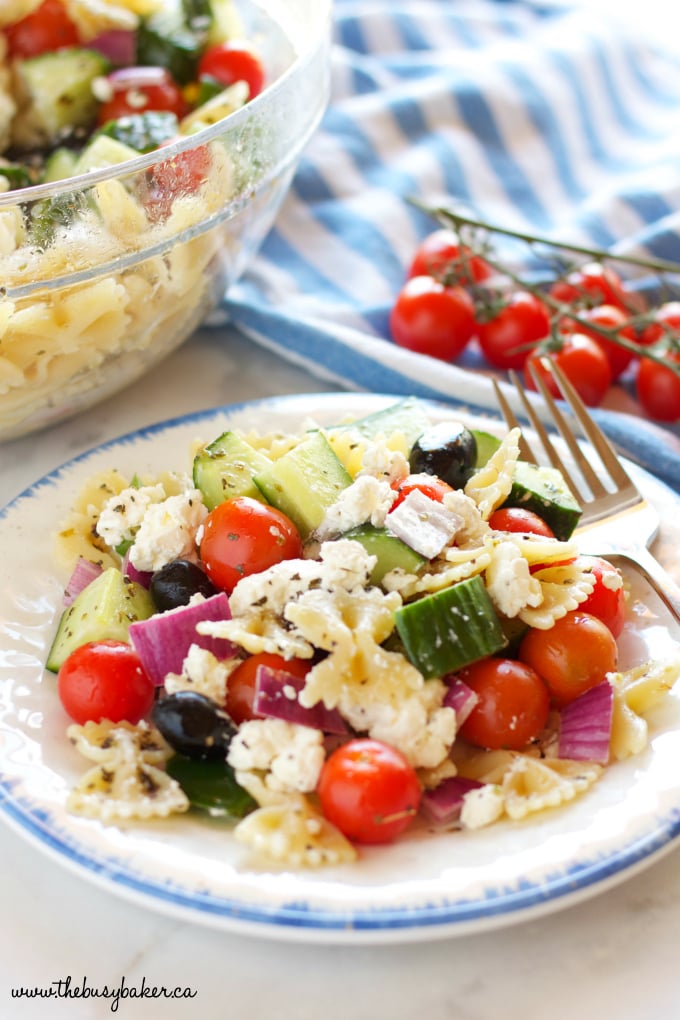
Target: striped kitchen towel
point(558, 118)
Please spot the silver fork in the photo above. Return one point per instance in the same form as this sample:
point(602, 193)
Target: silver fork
point(617, 520)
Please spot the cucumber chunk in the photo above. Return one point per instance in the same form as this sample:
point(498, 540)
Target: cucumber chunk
point(101, 152)
point(59, 165)
point(224, 469)
point(392, 553)
point(406, 416)
point(450, 629)
point(142, 132)
point(103, 610)
point(487, 444)
point(305, 482)
point(544, 491)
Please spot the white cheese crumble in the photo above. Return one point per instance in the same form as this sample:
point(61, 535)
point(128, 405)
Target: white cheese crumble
point(203, 672)
point(381, 461)
point(482, 806)
point(290, 754)
point(366, 500)
point(424, 524)
point(122, 514)
point(168, 530)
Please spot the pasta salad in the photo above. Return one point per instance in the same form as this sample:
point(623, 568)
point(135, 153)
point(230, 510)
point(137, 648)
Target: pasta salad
point(333, 637)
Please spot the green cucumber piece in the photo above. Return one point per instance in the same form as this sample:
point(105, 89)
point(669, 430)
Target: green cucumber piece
point(487, 444)
point(211, 786)
point(103, 610)
point(173, 38)
point(305, 482)
point(143, 132)
point(451, 628)
point(59, 165)
point(55, 90)
point(407, 416)
point(392, 553)
point(224, 469)
point(101, 152)
point(544, 491)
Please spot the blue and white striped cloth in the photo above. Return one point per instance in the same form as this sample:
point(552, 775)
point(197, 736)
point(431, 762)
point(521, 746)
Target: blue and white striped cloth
point(559, 118)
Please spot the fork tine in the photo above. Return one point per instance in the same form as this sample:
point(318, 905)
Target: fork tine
point(526, 453)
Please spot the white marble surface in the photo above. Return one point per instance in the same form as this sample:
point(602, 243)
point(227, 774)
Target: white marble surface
point(615, 955)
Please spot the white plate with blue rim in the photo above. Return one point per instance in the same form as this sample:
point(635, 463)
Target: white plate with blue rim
point(428, 884)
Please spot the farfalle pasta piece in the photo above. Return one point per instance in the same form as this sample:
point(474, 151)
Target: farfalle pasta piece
point(563, 589)
point(645, 686)
point(77, 535)
point(629, 733)
point(126, 782)
point(292, 832)
point(491, 485)
point(509, 582)
point(453, 565)
point(533, 784)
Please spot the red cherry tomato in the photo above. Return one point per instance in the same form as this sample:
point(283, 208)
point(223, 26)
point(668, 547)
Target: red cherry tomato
point(517, 519)
point(432, 319)
point(174, 178)
point(441, 255)
point(607, 600)
point(513, 704)
point(658, 388)
point(369, 791)
point(612, 318)
point(583, 362)
point(592, 284)
point(429, 485)
point(572, 656)
point(242, 682)
point(243, 536)
point(136, 89)
point(105, 680)
point(48, 28)
point(665, 323)
point(505, 339)
point(229, 63)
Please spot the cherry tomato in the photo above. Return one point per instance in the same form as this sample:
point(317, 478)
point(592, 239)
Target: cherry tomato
point(612, 318)
point(105, 680)
point(173, 178)
point(441, 255)
point(583, 362)
point(369, 791)
point(430, 486)
point(607, 601)
point(47, 28)
point(572, 656)
point(229, 63)
point(516, 518)
point(513, 704)
point(243, 536)
point(666, 323)
point(136, 89)
point(242, 682)
point(432, 319)
point(505, 338)
point(592, 284)
point(658, 388)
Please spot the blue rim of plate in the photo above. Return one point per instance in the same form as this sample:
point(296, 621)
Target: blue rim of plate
point(502, 905)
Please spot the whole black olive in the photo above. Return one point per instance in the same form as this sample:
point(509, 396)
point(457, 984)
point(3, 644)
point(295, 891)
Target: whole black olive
point(448, 450)
point(193, 725)
point(175, 584)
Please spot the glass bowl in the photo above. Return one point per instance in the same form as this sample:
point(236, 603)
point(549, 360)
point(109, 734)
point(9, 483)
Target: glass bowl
point(136, 254)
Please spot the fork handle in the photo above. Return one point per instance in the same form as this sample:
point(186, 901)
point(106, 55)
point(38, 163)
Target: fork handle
point(663, 584)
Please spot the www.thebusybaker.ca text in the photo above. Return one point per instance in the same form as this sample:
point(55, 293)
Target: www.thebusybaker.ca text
point(67, 988)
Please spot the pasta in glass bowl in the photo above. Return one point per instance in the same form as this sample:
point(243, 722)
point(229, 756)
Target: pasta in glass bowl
point(108, 270)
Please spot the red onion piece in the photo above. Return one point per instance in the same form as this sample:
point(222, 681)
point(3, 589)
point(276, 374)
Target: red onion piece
point(276, 693)
point(442, 806)
point(118, 46)
point(461, 698)
point(130, 571)
point(163, 640)
point(586, 725)
point(83, 573)
point(137, 78)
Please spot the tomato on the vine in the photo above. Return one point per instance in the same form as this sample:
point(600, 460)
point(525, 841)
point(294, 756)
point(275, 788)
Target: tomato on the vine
point(518, 519)
point(136, 89)
point(369, 791)
point(590, 285)
point(48, 28)
point(242, 682)
point(243, 536)
point(583, 362)
point(229, 63)
point(105, 680)
point(658, 388)
point(572, 656)
point(665, 323)
point(506, 337)
point(431, 486)
point(607, 601)
point(441, 255)
point(431, 318)
point(614, 319)
point(512, 707)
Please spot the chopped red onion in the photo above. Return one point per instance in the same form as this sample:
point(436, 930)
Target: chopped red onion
point(461, 698)
point(83, 573)
point(586, 725)
point(132, 573)
point(423, 524)
point(118, 46)
point(163, 640)
point(442, 806)
point(276, 695)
